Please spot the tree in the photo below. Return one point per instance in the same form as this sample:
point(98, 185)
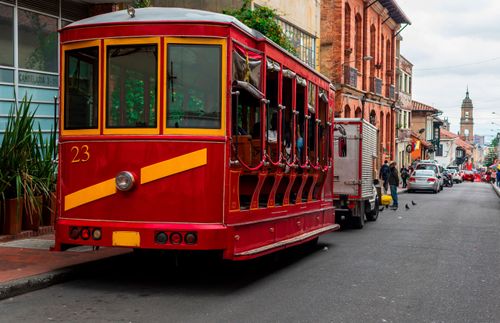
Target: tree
point(493, 151)
point(264, 20)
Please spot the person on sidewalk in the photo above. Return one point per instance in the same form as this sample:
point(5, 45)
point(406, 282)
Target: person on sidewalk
point(393, 181)
point(498, 174)
point(404, 175)
point(384, 175)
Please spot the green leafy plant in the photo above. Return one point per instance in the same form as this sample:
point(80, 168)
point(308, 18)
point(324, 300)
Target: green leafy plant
point(26, 159)
point(263, 19)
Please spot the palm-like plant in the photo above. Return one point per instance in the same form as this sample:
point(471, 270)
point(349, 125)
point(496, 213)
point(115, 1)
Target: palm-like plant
point(26, 166)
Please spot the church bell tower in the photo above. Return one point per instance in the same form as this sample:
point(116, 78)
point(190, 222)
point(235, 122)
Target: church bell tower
point(466, 119)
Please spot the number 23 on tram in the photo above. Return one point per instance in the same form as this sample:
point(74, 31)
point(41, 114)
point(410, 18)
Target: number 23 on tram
point(186, 130)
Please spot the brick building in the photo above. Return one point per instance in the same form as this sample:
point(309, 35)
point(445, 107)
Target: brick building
point(358, 52)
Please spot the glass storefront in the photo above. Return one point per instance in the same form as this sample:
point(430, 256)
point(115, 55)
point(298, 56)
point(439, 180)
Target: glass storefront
point(29, 55)
point(6, 36)
point(37, 43)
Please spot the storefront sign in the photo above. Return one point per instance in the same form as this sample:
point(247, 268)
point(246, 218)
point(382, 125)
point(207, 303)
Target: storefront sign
point(30, 78)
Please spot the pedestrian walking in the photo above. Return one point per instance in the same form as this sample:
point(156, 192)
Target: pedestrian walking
point(404, 175)
point(498, 174)
point(384, 175)
point(393, 180)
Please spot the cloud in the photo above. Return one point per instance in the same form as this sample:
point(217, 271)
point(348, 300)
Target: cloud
point(453, 44)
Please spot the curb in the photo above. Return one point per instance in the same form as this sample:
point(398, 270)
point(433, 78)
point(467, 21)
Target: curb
point(496, 189)
point(29, 284)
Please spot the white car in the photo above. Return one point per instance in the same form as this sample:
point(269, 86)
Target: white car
point(455, 175)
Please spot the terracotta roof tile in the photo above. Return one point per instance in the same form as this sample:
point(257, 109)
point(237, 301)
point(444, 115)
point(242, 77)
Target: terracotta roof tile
point(418, 106)
point(447, 134)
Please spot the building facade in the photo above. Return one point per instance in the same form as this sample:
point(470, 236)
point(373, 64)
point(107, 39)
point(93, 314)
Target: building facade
point(423, 126)
point(403, 111)
point(358, 52)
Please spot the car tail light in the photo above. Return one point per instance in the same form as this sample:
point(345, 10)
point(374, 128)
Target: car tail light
point(190, 238)
point(96, 234)
point(161, 238)
point(431, 180)
point(85, 233)
point(175, 238)
point(74, 233)
point(412, 179)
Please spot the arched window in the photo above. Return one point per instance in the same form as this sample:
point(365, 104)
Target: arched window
point(347, 32)
point(373, 47)
point(388, 130)
point(347, 112)
point(388, 61)
point(358, 50)
point(381, 128)
point(357, 113)
point(381, 66)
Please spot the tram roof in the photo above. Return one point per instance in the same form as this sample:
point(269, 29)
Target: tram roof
point(158, 14)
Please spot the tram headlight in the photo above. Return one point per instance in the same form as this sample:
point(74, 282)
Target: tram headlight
point(124, 181)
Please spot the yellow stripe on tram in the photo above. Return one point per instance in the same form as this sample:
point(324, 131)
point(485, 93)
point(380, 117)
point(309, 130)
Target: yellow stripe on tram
point(173, 166)
point(90, 194)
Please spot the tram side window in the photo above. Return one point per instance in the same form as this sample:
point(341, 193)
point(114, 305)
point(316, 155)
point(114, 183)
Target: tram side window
point(81, 88)
point(194, 86)
point(300, 102)
point(131, 86)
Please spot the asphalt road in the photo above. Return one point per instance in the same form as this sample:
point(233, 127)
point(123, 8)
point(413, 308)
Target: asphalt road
point(437, 262)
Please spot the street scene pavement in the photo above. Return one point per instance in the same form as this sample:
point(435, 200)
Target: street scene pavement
point(434, 262)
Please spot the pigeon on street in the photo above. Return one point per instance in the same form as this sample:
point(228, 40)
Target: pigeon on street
point(413, 203)
point(407, 207)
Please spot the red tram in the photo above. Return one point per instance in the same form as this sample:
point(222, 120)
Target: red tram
point(187, 130)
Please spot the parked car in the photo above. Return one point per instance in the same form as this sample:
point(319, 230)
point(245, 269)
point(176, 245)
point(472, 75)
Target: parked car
point(434, 167)
point(468, 176)
point(455, 175)
point(424, 179)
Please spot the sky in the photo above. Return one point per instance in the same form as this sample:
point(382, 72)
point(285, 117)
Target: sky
point(454, 44)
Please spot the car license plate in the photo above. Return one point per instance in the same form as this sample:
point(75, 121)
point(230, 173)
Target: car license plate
point(126, 239)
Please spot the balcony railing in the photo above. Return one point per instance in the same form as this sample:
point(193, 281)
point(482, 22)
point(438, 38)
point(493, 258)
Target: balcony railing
point(376, 85)
point(351, 76)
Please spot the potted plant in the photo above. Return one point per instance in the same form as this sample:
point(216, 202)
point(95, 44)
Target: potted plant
point(45, 169)
point(21, 187)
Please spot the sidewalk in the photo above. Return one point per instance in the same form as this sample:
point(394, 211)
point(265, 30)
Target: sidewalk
point(27, 264)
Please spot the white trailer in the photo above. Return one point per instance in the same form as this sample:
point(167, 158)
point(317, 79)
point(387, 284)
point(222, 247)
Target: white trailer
point(355, 156)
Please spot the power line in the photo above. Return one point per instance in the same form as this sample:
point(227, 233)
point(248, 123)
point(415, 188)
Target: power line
point(455, 66)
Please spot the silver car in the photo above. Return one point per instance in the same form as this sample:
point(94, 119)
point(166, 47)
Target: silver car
point(423, 179)
point(438, 170)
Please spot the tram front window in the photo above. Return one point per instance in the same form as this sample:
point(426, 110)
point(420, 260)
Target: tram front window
point(80, 88)
point(131, 86)
point(194, 86)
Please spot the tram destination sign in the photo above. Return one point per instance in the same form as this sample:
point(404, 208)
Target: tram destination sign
point(38, 79)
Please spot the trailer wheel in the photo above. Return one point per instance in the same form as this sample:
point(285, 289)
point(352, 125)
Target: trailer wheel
point(358, 222)
point(372, 215)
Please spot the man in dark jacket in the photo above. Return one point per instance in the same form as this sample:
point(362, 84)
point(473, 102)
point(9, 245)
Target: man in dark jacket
point(384, 176)
point(394, 183)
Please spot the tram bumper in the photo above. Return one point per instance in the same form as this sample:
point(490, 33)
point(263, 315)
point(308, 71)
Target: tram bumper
point(173, 236)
